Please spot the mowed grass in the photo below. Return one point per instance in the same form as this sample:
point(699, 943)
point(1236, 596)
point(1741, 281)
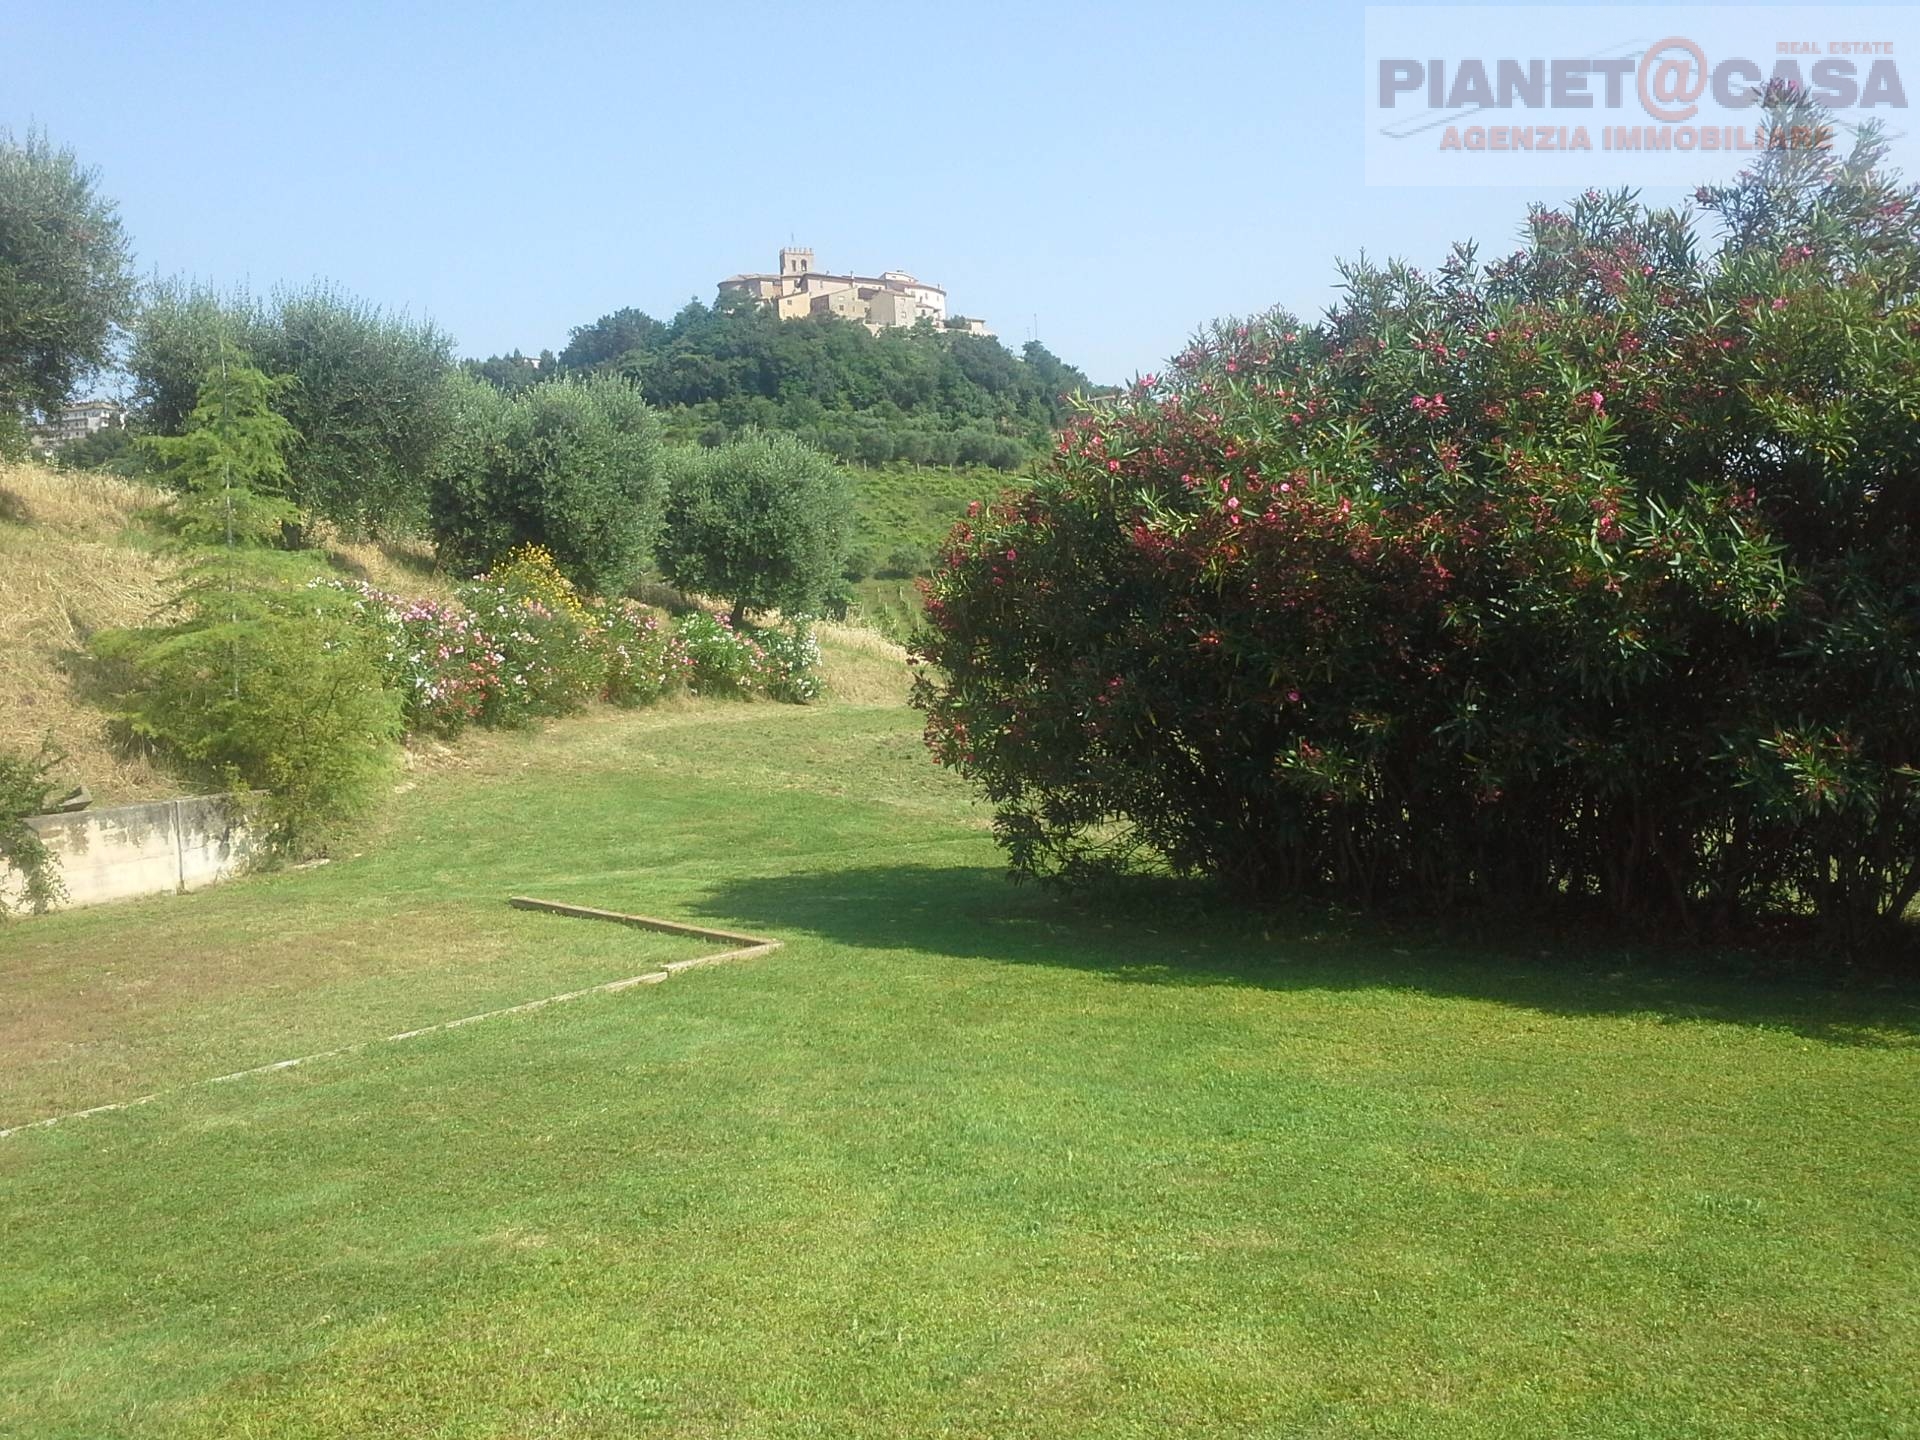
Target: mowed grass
point(962, 1159)
point(110, 1011)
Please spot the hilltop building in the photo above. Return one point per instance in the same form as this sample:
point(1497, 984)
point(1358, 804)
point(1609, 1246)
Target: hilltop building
point(890, 300)
point(75, 422)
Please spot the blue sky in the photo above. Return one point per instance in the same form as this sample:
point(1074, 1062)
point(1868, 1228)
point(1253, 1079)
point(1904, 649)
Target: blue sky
point(1115, 174)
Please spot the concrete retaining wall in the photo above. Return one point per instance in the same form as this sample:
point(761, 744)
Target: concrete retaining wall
point(162, 848)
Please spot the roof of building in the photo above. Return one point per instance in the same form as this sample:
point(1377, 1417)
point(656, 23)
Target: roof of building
point(880, 280)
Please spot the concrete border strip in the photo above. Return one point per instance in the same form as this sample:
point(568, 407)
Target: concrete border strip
point(746, 947)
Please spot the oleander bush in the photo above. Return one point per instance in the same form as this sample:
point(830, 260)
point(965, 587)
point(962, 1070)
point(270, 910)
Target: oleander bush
point(723, 661)
point(791, 663)
point(645, 658)
point(523, 643)
point(550, 662)
point(1588, 576)
point(443, 666)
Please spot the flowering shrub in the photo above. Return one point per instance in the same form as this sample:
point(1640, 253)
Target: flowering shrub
point(725, 661)
point(644, 656)
point(530, 573)
point(1589, 573)
point(549, 661)
point(444, 667)
point(543, 633)
point(525, 644)
point(792, 663)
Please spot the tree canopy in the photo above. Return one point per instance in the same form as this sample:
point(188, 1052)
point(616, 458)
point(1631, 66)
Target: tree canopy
point(65, 282)
point(364, 393)
point(569, 465)
point(761, 521)
point(229, 463)
point(923, 394)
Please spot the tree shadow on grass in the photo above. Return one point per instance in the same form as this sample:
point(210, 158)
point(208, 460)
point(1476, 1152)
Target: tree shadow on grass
point(103, 685)
point(1169, 933)
point(411, 561)
point(14, 509)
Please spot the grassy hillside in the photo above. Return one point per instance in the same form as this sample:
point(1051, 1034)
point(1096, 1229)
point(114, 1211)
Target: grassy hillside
point(889, 607)
point(960, 1160)
point(902, 515)
point(911, 507)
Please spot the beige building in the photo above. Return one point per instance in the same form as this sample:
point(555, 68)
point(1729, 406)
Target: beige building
point(75, 422)
point(891, 300)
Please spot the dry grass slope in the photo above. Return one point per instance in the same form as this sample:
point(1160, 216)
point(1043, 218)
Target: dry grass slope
point(861, 666)
point(400, 567)
point(72, 562)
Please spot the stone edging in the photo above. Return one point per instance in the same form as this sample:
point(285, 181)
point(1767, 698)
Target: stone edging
point(745, 947)
point(754, 944)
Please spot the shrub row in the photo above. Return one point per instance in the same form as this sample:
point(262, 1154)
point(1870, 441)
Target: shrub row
point(521, 644)
point(875, 445)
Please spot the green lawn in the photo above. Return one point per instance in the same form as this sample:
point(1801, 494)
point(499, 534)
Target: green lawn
point(960, 1160)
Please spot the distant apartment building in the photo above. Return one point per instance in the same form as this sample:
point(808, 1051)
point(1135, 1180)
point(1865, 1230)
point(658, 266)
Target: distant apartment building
point(891, 300)
point(76, 422)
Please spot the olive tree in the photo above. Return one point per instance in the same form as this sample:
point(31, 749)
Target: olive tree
point(65, 284)
point(572, 464)
point(762, 522)
point(364, 390)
